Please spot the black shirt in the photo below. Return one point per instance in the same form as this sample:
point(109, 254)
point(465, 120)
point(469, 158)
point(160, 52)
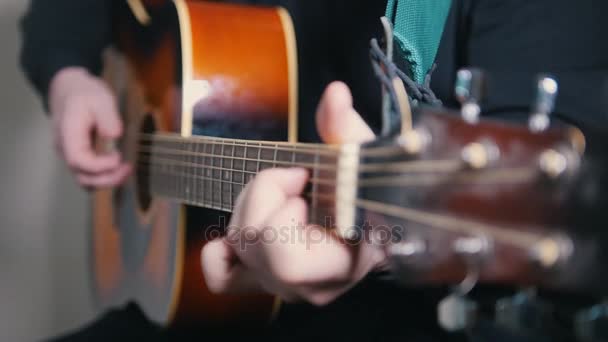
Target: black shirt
point(512, 40)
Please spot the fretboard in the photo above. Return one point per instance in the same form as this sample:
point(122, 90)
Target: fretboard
point(212, 172)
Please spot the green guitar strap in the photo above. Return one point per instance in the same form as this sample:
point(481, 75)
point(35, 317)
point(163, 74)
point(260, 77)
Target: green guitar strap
point(418, 26)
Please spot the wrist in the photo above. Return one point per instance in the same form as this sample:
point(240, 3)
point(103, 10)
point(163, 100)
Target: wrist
point(66, 77)
point(63, 83)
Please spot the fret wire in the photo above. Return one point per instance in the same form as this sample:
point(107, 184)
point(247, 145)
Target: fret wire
point(259, 158)
point(197, 187)
point(232, 176)
point(221, 172)
point(183, 174)
point(175, 180)
point(188, 182)
point(190, 189)
point(244, 166)
point(205, 169)
point(175, 188)
point(183, 170)
point(212, 181)
point(197, 184)
point(176, 191)
point(202, 170)
point(315, 189)
point(274, 159)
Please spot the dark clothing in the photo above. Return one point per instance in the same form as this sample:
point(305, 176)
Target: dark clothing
point(512, 40)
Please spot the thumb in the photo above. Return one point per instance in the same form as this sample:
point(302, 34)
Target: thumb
point(337, 120)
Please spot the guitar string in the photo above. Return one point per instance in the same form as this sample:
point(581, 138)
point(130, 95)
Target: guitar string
point(229, 141)
point(174, 152)
point(506, 175)
point(518, 238)
point(445, 165)
point(211, 204)
point(214, 185)
point(203, 178)
point(505, 235)
point(331, 150)
point(377, 151)
point(197, 167)
point(210, 201)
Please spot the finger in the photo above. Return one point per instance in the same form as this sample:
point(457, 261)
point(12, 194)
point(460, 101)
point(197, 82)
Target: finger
point(272, 188)
point(108, 122)
point(77, 147)
point(105, 180)
point(223, 273)
point(317, 257)
point(337, 120)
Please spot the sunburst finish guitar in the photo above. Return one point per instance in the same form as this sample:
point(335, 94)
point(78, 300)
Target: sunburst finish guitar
point(178, 67)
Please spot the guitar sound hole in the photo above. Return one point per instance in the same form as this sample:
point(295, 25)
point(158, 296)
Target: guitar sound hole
point(143, 168)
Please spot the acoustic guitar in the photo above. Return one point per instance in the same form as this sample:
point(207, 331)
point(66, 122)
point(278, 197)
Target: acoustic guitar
point(178, 68)
point(209, 100)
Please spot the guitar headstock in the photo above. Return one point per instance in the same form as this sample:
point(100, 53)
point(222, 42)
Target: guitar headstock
point(511, 204)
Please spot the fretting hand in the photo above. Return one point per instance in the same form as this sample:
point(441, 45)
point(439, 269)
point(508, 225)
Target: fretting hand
point(301, 268)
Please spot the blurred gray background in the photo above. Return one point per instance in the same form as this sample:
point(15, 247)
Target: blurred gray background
point(44, 282)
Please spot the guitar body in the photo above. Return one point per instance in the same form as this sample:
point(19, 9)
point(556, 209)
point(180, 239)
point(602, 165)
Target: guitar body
point(186, 67)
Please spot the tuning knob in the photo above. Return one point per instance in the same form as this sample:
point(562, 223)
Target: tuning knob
point(456, 313)
point(469, 91)
point(546, 93)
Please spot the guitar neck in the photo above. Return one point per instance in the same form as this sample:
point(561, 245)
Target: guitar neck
point(212, 172)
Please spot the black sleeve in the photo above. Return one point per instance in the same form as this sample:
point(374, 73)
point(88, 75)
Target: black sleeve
point(63, 33)
point(514, 41)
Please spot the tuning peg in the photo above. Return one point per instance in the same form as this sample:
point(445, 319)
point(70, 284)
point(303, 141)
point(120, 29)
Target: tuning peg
point(469, 91)
point(546, 93)
point(592, 325)
point(456, 313)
